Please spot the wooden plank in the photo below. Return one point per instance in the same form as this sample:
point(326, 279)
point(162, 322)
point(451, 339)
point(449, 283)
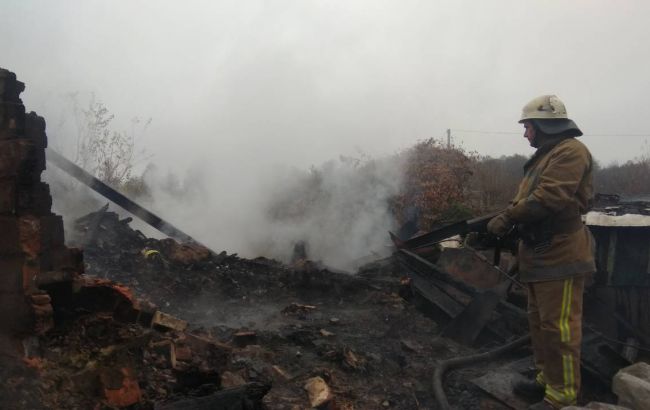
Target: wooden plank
point(425, 288)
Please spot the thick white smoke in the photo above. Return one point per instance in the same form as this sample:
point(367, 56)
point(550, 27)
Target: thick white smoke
point(340, 209)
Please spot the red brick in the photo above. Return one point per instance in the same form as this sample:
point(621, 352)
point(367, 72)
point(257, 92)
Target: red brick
point(215, 350)
point(14, 314)
point(183, 353)
point(34, 199)
point(10, 88)
point(42, 318)
point(9, 236)
point(34, 164)
point(8, 125)
point(35, 130)
point(21, 157)
point(15, 157)
point(63, 258)
point(12, 109)
point(120, 387)
point(11, 274)
point(8, 134)
point(12, 119)
point(39, 234)
point(52, 230)
point(31, 269)
point(167, 350)
point(164, 321)
point(40, 299)
point(38, 165)
point(29, 234)
point(7, 196)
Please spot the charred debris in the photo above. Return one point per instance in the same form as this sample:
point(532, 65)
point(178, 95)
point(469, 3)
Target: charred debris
point(141, 323)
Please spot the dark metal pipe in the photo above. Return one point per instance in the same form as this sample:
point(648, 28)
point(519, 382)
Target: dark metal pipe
point(116, 197)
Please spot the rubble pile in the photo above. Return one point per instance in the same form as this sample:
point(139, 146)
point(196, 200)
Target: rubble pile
point(370, 340)
point(155, 324)
point(261, 334)
point(84, 341)
point(181, 278)
point(312, 334)
point(128, 365)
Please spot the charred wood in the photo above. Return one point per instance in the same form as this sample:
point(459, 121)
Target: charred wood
point(246, 397)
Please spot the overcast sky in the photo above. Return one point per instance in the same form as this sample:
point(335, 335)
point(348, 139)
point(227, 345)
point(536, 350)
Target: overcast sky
point(301, 81)
point(234, 88)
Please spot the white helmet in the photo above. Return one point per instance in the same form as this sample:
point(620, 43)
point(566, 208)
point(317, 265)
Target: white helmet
point(549, 114)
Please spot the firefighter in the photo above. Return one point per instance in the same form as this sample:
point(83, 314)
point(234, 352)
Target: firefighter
point(556, 249)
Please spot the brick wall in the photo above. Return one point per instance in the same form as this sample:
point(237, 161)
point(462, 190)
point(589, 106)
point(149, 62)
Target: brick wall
point(33, 254)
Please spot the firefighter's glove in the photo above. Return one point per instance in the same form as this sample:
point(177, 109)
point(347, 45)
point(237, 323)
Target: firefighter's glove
point(500, 225)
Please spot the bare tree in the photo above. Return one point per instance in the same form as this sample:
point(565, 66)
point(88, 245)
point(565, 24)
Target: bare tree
point(108, 154)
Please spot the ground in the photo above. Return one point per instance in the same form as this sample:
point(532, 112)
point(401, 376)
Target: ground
point(273, 324)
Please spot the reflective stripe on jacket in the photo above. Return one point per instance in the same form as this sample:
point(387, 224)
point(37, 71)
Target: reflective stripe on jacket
point(555, 191)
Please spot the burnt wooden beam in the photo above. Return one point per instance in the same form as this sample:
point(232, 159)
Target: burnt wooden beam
point(114, 196)
point(429, 269)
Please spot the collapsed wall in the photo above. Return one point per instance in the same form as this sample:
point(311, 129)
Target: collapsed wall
point(32, 246)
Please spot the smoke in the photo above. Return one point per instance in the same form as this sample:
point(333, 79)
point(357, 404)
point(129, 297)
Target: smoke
point(241, 91)
point(259, 207)
point(340, 209)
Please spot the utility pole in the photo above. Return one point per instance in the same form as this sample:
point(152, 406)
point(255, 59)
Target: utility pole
point(448, 138)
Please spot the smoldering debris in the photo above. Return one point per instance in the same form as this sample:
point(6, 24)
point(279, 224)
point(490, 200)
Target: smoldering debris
point(256, 334)
point(187, 327)
point(319, 325)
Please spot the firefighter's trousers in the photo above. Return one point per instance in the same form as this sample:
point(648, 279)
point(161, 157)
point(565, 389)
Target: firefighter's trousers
point(555, 319)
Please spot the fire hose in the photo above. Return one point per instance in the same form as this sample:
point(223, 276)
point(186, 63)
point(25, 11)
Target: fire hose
point(439, 372)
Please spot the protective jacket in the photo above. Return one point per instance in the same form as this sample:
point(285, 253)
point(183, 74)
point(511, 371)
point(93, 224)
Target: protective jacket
point(555, 191)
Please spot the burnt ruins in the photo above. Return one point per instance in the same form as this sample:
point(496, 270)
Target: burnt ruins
point(141, 323)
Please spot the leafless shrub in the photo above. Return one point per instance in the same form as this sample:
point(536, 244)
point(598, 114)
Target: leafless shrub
point(108, 154)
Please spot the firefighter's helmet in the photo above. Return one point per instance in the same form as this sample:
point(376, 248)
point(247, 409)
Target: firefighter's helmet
point(548, 113)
